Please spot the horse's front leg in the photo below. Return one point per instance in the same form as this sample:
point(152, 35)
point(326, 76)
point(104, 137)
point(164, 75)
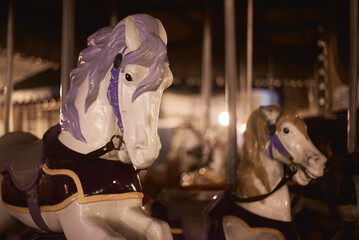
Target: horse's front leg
point(10, 225)
point(124, 217)
point(77, 224)
point(148, 227)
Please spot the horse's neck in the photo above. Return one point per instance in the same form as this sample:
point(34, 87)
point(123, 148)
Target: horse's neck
point(98, 124)
point(277, 205)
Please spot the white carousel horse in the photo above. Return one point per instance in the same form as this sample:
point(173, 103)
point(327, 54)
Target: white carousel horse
point(109, 127)
point(260, 207)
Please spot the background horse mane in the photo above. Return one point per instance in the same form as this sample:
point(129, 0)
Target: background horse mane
point(95, 61)
point(255, 140)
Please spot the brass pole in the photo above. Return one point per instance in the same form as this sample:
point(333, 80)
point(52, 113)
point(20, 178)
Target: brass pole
point(231, 87)
point(9, 69)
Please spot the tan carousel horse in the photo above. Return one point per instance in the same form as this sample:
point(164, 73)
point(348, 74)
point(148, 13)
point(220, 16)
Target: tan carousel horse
point(276, 148)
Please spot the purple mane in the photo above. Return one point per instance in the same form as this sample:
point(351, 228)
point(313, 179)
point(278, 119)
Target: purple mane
point(95, 61)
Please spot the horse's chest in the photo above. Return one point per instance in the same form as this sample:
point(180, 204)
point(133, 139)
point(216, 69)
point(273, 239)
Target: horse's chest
point(230, 221)
point(241, 228)
point(60, 184)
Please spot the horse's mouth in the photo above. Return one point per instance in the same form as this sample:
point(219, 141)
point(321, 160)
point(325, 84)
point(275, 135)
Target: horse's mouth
point(309, 175)
point(312, 170)
point(302, 177)
point(316, 165)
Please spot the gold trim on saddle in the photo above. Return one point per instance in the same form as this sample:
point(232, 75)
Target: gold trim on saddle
point(79, 195)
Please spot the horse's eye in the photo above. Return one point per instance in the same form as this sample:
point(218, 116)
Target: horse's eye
point(286, 130)
point(128, 77)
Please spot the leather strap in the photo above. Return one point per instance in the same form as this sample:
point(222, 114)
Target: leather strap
point(108, 147)
point(34, 209)
point(289, 171)
point(32, 194)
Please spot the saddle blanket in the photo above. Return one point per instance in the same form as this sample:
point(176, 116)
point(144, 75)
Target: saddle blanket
point(61, 182)
point(225, 211)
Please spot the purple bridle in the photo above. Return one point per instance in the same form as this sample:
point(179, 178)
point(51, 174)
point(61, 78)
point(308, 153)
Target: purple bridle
point(274, 141)
point(112, 91)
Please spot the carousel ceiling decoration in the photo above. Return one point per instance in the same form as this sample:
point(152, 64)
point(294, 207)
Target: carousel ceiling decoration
point(24, 67)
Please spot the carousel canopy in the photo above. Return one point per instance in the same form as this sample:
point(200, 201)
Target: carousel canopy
point(286, 35)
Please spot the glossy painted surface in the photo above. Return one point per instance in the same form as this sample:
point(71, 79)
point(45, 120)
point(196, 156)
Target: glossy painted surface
point(239, 223)
point(259, 172)
point(291, 132)
point(261, 167)
point(88, 123)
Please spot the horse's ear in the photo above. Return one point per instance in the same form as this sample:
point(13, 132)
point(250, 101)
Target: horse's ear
point(271, 113)
point(133, 38)
point(162, 32)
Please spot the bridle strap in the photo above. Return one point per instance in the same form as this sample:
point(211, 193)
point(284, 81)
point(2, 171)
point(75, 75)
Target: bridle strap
point(289, 171)
point(274, 141)
point(112, 95)
point(109, 146)
point(112, 91)
point(91, 156)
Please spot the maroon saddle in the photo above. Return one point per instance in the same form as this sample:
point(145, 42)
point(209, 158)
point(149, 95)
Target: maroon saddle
point(21, 155)
point(25, 184)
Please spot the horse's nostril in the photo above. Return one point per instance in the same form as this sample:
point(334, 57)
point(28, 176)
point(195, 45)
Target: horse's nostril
point(312, 160)
point(316, 160)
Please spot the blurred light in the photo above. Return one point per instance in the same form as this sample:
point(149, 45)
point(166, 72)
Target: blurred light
point(223, 118)
point(202, 171)
point(321, 101)
point(243, 128)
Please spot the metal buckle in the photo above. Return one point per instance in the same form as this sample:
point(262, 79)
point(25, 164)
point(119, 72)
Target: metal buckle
point(120, 142)
point(293, 168)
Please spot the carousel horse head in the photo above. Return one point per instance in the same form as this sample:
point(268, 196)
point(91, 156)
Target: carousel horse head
point(116, 88)
point(282, 136)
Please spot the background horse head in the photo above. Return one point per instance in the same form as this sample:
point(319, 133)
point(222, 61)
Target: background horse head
point(116, 88)
point(274, 137)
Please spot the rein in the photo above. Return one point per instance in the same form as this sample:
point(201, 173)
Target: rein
point(327, 170)
point(289, 171)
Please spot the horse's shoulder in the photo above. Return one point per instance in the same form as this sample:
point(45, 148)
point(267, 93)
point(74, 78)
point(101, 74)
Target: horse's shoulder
point(236, 228)
point(233, 218)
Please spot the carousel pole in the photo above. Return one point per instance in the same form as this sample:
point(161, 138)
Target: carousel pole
point(231, 87)
point(206, 85)
point(270, 74)
point(9, 68)
point(249, 58)
point(67, 45)
point(353, 80)
point(114, 14)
